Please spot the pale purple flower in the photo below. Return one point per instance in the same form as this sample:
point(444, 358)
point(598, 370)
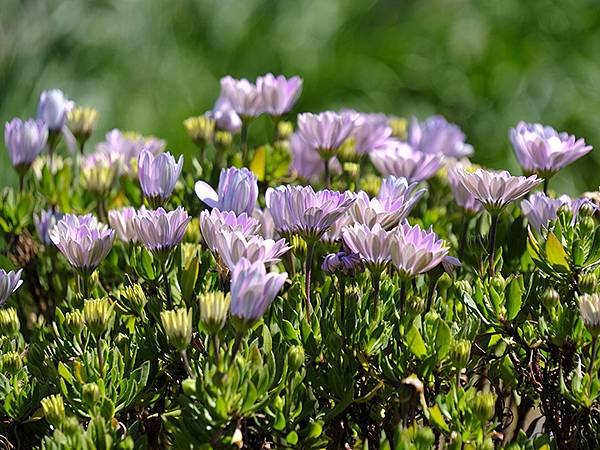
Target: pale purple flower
point(346, 263)
point(540, 209)
point(301, 210)
point(243, 96)
point(267, 226)
point(237, 191)
point(225, 117)
point(253, 290)
point(231, 246)
point(159, 230)
point(53, 109)
point(326, 131)
point(393, 204)
point(307, 162)
point(415, 251)
point(9, 283)
point(215, 222)
point(436, 135)
point(371, 132)
point(44, 222)
point(373, 244)
point(128, 146)
point(400, 160)
point(496, 189)
point(462, 196)
point(83, 240)
point(278, 93)
point(24, 140)
point(121, 220)
point(158, 175)
point(543, 151)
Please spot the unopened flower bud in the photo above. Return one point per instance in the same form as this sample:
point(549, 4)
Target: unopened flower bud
point(136, 298)
point(284, 129)
point(9, 322)
point(201, 129)
point(177, 325)
point(214, 308)
point(352, 169)
point(370, 184)
point(498, 283)
point(586, 225)
point(587, 209)
point(223, 139)
point(566, 212)
point(91, 393)
point(81, 122)
point(54, 410)
point(464, 287)
point(587, 283)
point(550, 297)
point(295, 358)
point(11, 362)
point(70, 425)
point(74, 322)
point(444, 282)
point(424, 438)
point(589, 306)
point(460, 352)
point(97, 314)
point(483, 406)
point(399, 126)
point(416, 304)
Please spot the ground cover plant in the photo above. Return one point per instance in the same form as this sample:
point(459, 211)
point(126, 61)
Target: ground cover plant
point(351, 282)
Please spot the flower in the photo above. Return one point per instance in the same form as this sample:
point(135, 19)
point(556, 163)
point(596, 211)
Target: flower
point(540, 209)
point(278, 93)
point(83, 240)
point(44, 222)
point(178, 327)
point(253, 290)
point(121, 220)
point(326, 131)
point(496, 189)
point(436, 135)
point(24, 140)
point(301, 210)
point(232, 246)
point(394, 202)
point(81, 122)
point(346, 263)
point(158, 175)
point(416, 251)
point(214, 308)
point(213, 224)
point(226, 119)
point(159, 230)
point(371, 132)
point(267, 226)
point(201, 129)
point(53, 109)
point(400, 160)
point(589, 307)
point(462, 196)
point(373, 244)
point(128, 146)
point(243, 96)
point(544, 151)
point(99, 171)
point(9, 283)
point(237, 191)
point(306, 161)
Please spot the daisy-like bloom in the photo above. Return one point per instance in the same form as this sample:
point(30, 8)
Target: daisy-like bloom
point(243, 96)
point(121, 220)
point(267, 226)
point(160, 231)
point(237, 191)
point(200, 129)
point(346, 263)
point(24, 140)
point(415, 251)
point(306, 161)
point(462, 196)
point(81, 122)
point(214, 223)
point(83, 240)
point(279, 94)
point(44, 222)
point(128, 146)
point(231, 246)
point(400, 160)
point(589, 306)
point(99, 171)
point(540, 209)
point(372, 243)
point(395, 201)
point(226, 119)
point(301, 210)
point(496, 189)
point(326, 131)
point(436, 135)
point(253, 289)
point(53, 109)
point(544, 151)
point(9, 283)
point(371, 132)
point(158, 175)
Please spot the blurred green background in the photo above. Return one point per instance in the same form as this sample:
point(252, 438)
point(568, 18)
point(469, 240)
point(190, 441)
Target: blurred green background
point(146, 65)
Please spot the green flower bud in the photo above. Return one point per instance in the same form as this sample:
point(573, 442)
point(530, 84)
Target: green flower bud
point(484, 405)
point(9, 322)
point(178, 327)
point(352, 169)
point(587, 209)
point(54, 410)
point(284, 129)
point(416, 304)
point(587, 283)
point(399, 126)
point(460, 353)
point(11, 362)
point(464, 287)
point(424, 438)
point(81, 122)
point(295, 357)
point(445, 281)
point(347, 152)
point(91, 393)
point(201, 129)
point(370, 184)
point(586, 225)
point(214, 308)
point(192, 232)
point(136, 298)
point(70, 425)
point(498, 283)
point(565, 212)
point(550, 297)
point(97, 314)
point(223, 139)
point(74, 322)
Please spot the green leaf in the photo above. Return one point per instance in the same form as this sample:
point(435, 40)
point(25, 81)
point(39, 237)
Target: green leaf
point(63, 371)
point(189, 276)
point(443, 338)
point(555, 253)
point(514, 297)
point(415, 342)
point(437, 419)
point(292, 438)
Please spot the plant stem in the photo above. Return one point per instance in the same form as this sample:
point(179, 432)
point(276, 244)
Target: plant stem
point(276, 120)
point(327, 174)
point(402, 295)
point(430, 292)
point(84, 285)
point(100, 355)
point(244, 141)
point(492, 244)
point(593, 356)
point(236, 347)
point(376, 275)
point(186, 364)
point(167, 285)
point(310, 248)
point(463, 238)
point(216, 347)
point(546, 183)
point(21, 182)
point(342, 285)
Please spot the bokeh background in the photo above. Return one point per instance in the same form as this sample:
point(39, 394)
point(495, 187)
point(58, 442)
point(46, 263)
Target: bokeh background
point(146, 65)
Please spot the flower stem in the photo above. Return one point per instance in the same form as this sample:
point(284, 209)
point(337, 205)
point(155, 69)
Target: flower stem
point(402, 296)
point(593, 356)
point(186, 364)
point(310, 249)
point(327, 174)
point(244, 142)
point(236, 347)
point(431, 292)
point(166, 283)
point(492, 244)
point(376, 274)
point(21, 182)
point(463, 238)
point(100, 355)
point(546, 183)
point(342, 286)
point(216, 347)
